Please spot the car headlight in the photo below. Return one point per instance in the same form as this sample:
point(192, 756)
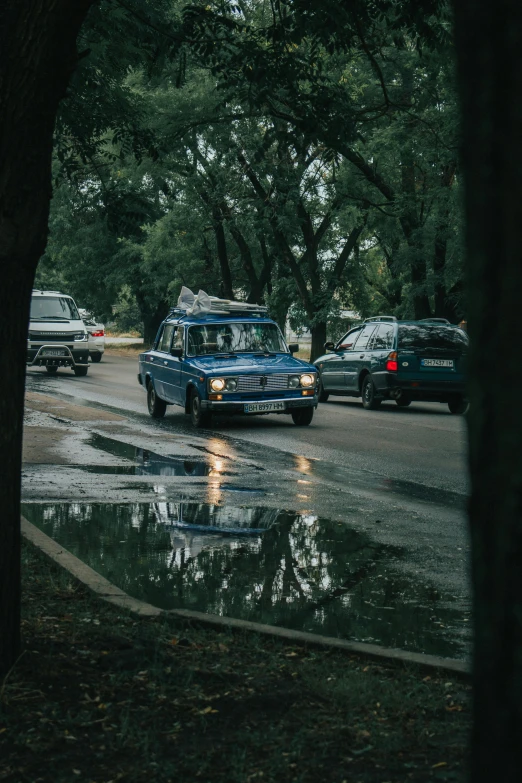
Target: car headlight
point(217, 384)
point(307, 380)
point(293, 381)
point(80, 337)
point(231, 384)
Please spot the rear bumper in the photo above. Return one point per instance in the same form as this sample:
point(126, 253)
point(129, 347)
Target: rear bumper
point(426, 389)
point(291, 404)
point(53, 355)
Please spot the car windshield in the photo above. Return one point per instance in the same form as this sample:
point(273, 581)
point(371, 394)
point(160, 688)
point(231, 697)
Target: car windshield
point(51, 308)
point(442, 338)
point(235, 337)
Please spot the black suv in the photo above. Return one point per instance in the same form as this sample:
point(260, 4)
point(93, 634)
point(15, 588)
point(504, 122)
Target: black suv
point(386, 359)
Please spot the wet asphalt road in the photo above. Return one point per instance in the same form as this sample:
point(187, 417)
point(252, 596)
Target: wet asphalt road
point(424, 443)
point(395, 475)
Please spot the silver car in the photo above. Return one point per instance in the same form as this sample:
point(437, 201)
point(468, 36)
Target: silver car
point(96, 333)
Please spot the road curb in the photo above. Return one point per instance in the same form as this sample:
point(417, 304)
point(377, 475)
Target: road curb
point(114, 595)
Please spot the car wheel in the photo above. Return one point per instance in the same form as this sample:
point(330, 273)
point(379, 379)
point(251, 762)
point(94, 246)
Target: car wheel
point(52, 370)
point(369, 400)
point(458, 406)
point(323, 395)
point(155, 404)
point(200, 419)
point(96, 357)
point(80, 371)
point(403, 402)
point(303, 417)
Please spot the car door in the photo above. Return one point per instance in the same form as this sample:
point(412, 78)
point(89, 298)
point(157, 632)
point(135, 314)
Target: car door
point(161, 362)
point(358, 357)
point(380, 347)
point(172, 368)
point(333, 369)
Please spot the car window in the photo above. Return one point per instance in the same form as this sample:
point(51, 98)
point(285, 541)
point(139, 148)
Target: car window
point(177, 342)
point(166, 337)
point(45, 308)
point(382, 339)
point(432, 336)
point(235, 337)
point(348, 340)
point(364, 337)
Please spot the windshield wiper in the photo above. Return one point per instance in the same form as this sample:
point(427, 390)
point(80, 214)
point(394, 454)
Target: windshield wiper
point(50, 318)
point(228, 355)
point(265, 353)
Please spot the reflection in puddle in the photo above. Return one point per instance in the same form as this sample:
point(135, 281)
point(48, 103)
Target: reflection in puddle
point(149, 463)
point(261, 564)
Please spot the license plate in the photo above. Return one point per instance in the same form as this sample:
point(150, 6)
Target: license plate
point(264, 407)
point(436, 362)
point(53, 352)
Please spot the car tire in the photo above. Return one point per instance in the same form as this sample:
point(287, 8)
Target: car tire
point(200, 419)
point(458, 406)
point(369, 400)
point(323, 395)
point(403, 402)
point(303, 416)
point(96, 357)
point(157, 407)
point(51, 370)
point(80, 371)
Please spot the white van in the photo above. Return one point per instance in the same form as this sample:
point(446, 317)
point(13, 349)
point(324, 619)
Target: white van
point(57, 335)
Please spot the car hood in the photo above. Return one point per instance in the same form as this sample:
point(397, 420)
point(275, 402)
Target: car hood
point(248, 364)
point(56, 326)
point(326, 357)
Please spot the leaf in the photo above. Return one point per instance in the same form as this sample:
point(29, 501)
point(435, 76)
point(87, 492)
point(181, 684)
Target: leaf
point(440, 764)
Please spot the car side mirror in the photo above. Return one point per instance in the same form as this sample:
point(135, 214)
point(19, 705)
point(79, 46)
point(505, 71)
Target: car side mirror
point(329, 346)
point(176, 352)
point(293, 347)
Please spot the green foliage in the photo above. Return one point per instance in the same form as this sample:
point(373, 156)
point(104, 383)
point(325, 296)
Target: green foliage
point(300, 153)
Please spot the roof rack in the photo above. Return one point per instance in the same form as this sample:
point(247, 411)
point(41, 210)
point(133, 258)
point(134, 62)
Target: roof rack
point(203, 304)
point(435, 321)
point(389, 318)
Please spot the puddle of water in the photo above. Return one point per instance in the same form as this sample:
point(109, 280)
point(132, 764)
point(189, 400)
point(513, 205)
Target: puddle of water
point(149, 463)
point(260, 564)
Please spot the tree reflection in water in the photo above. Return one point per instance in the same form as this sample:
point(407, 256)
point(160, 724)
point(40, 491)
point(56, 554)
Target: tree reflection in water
point(266, 565)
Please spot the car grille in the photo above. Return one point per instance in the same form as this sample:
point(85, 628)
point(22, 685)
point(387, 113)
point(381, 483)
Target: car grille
point(274, 382)
point(52, 337)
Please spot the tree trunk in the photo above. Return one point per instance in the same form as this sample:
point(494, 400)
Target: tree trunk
point(318, 339)
point(152, 319)
point(490, 83)
point(37, 56)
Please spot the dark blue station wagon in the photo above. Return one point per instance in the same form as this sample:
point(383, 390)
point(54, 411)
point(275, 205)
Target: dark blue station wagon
point(228, 363)
point(385, 359)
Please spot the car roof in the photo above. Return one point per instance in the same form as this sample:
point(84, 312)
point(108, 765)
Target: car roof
point(210, 318)
point(49, 293)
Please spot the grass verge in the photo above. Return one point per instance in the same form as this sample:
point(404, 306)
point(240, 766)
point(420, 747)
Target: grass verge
point(98, 695)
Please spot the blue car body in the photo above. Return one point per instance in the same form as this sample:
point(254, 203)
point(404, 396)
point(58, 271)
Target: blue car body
point(226, 364)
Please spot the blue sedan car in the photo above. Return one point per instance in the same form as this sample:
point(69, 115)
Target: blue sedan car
point(229, 360)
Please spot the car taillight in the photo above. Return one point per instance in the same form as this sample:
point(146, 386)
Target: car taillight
point(392, 365)
point(99, 333)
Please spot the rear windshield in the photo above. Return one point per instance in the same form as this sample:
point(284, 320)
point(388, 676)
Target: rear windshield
point(53, 308)
point(440, 337)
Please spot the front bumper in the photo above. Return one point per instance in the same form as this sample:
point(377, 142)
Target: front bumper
point(233, 406)
point(53, 355)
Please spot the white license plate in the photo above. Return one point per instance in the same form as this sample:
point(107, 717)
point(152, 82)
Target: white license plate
point(54, 352)
point(264, 407)
point(436, 362)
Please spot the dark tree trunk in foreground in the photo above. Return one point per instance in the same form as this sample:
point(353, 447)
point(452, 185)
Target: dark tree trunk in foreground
point(37, 57)
point(489, 36)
